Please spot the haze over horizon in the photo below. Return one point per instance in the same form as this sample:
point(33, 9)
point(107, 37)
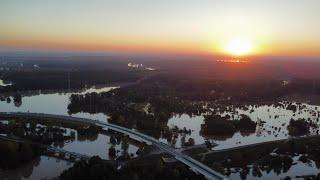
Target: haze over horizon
point(159, 89)
point(250, 28)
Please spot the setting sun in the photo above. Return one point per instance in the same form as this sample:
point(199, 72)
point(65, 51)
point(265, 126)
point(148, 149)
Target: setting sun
point(239, 47)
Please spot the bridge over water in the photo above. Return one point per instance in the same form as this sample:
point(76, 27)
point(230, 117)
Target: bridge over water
point(196, 166)
point(49, 149)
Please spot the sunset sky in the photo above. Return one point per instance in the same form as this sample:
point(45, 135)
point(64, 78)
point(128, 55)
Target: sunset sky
point(269, 27)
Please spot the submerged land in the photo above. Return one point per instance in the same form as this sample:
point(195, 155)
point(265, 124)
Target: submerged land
point(244, 120)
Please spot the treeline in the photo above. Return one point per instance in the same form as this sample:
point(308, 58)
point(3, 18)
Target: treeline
point(301, 127)
point(33, 132)
point(152, 168)
point(223, 125)
point(52, 79)
point(148, 106)
point(13, 154)
point(277, 157)
point(49, 132)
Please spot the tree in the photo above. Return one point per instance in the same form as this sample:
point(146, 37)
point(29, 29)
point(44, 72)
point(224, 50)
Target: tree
point(125, 144)
point(112, 152)
point(113, 140)
point(26, 152)
point(208, 144)
point(159, 166)
point(191, 142)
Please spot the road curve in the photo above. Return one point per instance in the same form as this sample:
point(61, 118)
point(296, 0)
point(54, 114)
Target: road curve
point(192, 163)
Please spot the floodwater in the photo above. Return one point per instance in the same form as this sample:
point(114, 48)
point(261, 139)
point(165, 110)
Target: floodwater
point(42, 168)
point(99, 146)
point(185, 121)
point(4, 84)
point(55, 103)
point(275, 127)
point(49, 167)
point(298, 169)
point(97, 90)
point(275, 118)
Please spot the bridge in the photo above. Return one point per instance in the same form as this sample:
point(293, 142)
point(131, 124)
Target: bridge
point(196, 166)
point(68, 153)
point(50, 149)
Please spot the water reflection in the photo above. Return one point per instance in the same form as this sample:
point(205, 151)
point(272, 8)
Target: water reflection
point(90, 144)
point(97, 90)
point(98, 147)
point(185, 121)
point(43, 167)
point(2, 83)
point(55, 103)
point(272, 125)
point(272, 122)
point(298, 169)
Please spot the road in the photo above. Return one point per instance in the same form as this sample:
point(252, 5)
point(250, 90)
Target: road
point(284, 140)
point(241, 147)
point(196, 166)
point(192, 147)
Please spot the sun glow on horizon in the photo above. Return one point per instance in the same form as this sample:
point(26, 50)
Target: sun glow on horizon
point(232, 29)
point(238, 47)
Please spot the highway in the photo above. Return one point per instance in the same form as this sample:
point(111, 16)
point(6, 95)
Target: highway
point(284, 140)
point(196, 166)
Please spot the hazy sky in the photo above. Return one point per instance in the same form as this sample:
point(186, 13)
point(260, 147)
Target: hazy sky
point(273, 27)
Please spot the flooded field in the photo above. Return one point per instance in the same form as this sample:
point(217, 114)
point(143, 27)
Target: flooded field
point(272, 121)
point(298, 168)
point(55, 103)
point(272, 124)
point(99, 146)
